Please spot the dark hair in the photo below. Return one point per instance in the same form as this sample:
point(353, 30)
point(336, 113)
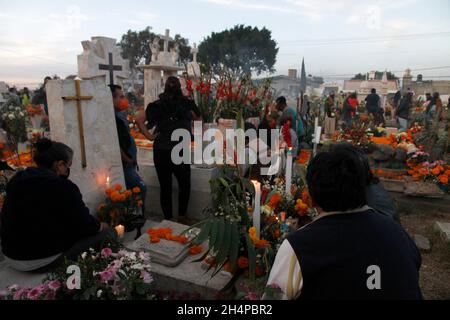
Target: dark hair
point(337, 179)
point(48, 152)
point(374, 90)
point(282, 101)
point(114, 88)
point(284, 119)
point(172, 91)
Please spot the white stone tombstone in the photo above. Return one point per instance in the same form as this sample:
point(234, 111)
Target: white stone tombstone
point(102, 58)
point(100, 135)
point(194, 67)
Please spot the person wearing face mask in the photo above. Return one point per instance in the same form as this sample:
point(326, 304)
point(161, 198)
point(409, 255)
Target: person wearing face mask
point(128, 149)
point(44, 219)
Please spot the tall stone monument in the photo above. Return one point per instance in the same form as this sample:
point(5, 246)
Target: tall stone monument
point(102, 58)
point(82, 116)
point(164, 64)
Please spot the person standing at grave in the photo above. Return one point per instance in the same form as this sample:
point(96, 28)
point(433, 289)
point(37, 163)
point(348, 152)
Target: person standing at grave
point(44, 219)
point(330, 115)
point(349, 109)
point(128, 149)
point(286, 111)
point(171, 112)
point(40, 97)
point(373, 106)
point(349, 251)
point(403, 112)
point(26, 97)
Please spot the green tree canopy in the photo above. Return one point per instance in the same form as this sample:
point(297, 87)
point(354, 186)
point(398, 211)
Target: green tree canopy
point(241, 49)
point(136, 46)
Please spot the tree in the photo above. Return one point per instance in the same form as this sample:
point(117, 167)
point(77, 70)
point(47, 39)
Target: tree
point(378, 76)
point(136, 46)
point(241, 50)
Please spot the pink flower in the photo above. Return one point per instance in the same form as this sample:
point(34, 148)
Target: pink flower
point(144, 256)
point(21, 293)
point(146, 277)
point(106, 253)
point(34, 294)
point(108, 275)
point(51, 295)
point(54, 285)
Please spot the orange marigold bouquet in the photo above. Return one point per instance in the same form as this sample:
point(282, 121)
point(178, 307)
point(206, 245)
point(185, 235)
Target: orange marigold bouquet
point(121, 206)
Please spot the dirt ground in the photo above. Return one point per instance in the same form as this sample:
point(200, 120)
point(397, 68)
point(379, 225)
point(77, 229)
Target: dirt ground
point(435, 272)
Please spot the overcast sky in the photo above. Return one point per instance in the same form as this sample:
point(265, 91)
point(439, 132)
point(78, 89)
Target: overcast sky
point(337, 38)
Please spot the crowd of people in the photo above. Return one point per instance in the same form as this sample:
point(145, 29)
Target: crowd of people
point(345, 108)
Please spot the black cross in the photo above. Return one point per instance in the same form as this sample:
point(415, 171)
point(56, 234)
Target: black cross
point(111, 67)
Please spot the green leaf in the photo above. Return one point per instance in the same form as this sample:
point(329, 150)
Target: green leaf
point(204, 233)
point(214, 233)
point(251, 256)
point(225, 247)
point(220, 235)
point(235, 244)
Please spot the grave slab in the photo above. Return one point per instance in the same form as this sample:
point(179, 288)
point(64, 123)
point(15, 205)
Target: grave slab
point(188, 276)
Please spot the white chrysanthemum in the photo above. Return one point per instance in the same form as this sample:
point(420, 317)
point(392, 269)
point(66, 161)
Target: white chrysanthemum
point(99, 293)
point(11, 116)
point(84, 255)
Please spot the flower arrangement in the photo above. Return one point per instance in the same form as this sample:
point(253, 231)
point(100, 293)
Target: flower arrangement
point(105, 275)
point(423, 170)
point(34, 111)
point(201, 92)
point(14, 119)
point(121, 206)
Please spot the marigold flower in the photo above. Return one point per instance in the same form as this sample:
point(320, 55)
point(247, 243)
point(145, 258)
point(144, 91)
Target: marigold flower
point(243, 263)
point(118, 187)
point(275, 200)
point(443, 179)
point(436, 171)
point(137, 190)
point(195, 250)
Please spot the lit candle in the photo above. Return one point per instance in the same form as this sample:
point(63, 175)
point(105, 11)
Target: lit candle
point(120, 231)
point(108, 182)
point(257, 210)
point(289, 164)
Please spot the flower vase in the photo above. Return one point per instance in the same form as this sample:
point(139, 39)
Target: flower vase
point(36, 121)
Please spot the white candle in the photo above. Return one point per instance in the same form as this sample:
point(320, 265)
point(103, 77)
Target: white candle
point(120, 231)
point(108, 183)
point(257, 208)
point(289, 164)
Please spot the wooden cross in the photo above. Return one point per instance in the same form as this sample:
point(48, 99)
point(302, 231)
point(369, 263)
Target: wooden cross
point(79, 98)
point(111, 68)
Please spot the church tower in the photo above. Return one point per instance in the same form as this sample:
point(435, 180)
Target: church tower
point(407, 80)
